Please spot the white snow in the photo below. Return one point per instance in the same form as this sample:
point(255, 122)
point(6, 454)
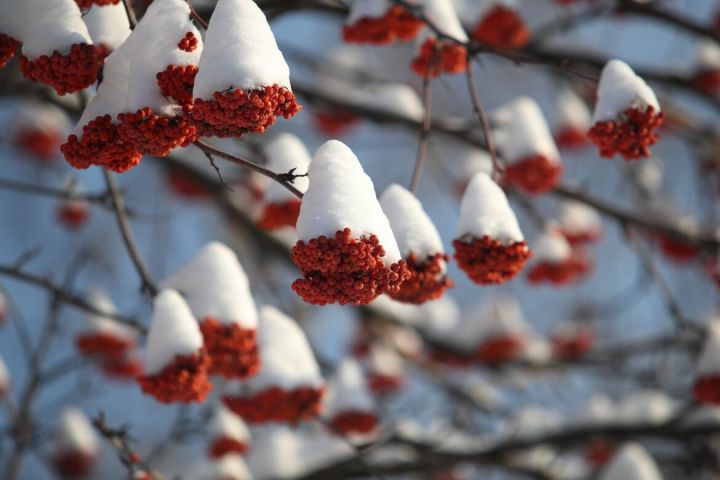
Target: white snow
point(36, 116)
point(284, 152)
point(571, 112)
point(331, 331)
point(392, 98)
point(95, 323)
point(226, 424)
point(215, 285)
point(384, 361)
point(500, 316)
point(4, 377)
point(461, 159)
point(44, 27)
point(709, 359)
point(413, 229)
point(598, 409)
point(485, 211)
point(348, 390)
point(74, 433)
point(443, 16)
point(631, 462)
point(646, 407)
point(285, 355)
point(173, 331)
point(532, 421)
point(462, 331)
point(438, 316)
point(12, 19)
point(341, 195)
point(240, 52)
point(551, 246)
point(154, 46)
point(108, 25)
point(577, 218)
point(620, 89)
point(227, 467)
point(520, 130)
point(707, 55)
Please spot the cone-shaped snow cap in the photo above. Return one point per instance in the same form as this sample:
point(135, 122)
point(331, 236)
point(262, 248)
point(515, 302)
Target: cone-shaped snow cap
point(226, 424)
point(579, 219)
point(108, 25)
point(285, 152)
point(74, 433)
point(521, 131)
point(240, 51)
point(341, 195)
point(413, 229)
point(48, 26)
point(631, 462)
point(443, 16)
point(228, 467)
point(571, 112)
point(709, 360)
point(485, 211)
point(620, 89)
point(173, 331)
point(216, 286)
point(98, 323)
point(551, 246)
point(348, 391)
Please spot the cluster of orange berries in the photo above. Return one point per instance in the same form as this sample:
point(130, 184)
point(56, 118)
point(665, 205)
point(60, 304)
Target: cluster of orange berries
point(100, 144)
point(232, 349)
point(502, 28)
point(397, 24)
point(222, 446)
point(427, 279)
point(631, 135)
point(99, 3)
point(571, 269)
point(440, 56)
point(351, 422)
point(278, 215)
point(65, 73)
point(153, 134)
point(277, 405)
point(188, 43)
point(488, 261)
point(706, 389)
point(111, 354)
point(185, 380)
point(177, 82)
point(8, 47)
point(345, 270)
point(534, 174)
point(500, 349)
point(73, 463)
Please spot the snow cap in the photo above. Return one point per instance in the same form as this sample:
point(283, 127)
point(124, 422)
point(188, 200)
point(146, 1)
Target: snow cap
point(485, 211)
point(461, 159)
point(413, 229)
point(631, 462)
point(551, 246)
point(226, 424)
point(571, 111)
point(108, 25)
point(620, 89)
point(443, 16)
point(173, 331)
point(499, 316)
point(707, 55)
point(4, 377)
point(348, 390)
point(44, 27)
point(98, 323)
point(215, 285)
point(341, 195)
point(74, 433)
point(284, 152)
point(285, 355)
point(240, 52)
point(384, 361)
point(227, 467)
point(709, 360)
point(577, 218)
point(521, 131)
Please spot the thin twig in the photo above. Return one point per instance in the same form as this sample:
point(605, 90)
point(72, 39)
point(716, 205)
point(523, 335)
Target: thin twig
point(130, 12)
point(497, 168)
point(425, 127)
point(217, 170)
point(196, 16)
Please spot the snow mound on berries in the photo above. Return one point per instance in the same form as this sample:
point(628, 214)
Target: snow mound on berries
point(230, 466)
point(154, 46)
point(12, 19)
point(443, 16)
point(4, 377)
point(520, 131)
point(598, 409)
point(707, 55)
point(348, 390)
point(485, 211)
point(173, 331)
point(55, 25)
point(551, 246)
point(619, 89)
point(37, 116)
point(577, 218)
point(461, 159)
point(341, 195)
point(394, 99)
point(74, 433)
point(331, 331)
point(646, 407)
point(413, 229)
point(225, 423)
point(108, 25)
point(383, 360)
point(215, 285)
point(709, 360)
point(284, 152)
point(241, 51)
point(632, 461)
point(501, 315)
point(285, 355)
point(102, 323)
point(571, 111)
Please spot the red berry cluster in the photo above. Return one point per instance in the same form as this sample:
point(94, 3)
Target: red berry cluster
point(427, 279)
point(65, 73)
point(452, 358)
point(488, 261)
point(184, 185)
point(502, 28)
point(100, 144)
point(351, 422)
point(706, 389)
point(631, 135)
point(278, 215)
point(385, 384)
point(103, 51)
point(188, 43)
point(598, 452)
point(572, 346)
point(42, 144)
point(446, 57)
point(581, 237)
point(177, 82)
point(277, 405)
point(125, 368)
point(500, 349)
point(707, 81)
point(534, 174)
point(345, 270)
point(73, 463)
point(99, 3)
point(333, 122)
point(222, 446)
point(153, 134)
point(8, 47)
point(572, 269)
point(571, 138)
point(235, 112)
point(103, 345)
point(185, 380)
point(232, 349)
point(677, 250)
point(72, 213)
point(397, 24)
